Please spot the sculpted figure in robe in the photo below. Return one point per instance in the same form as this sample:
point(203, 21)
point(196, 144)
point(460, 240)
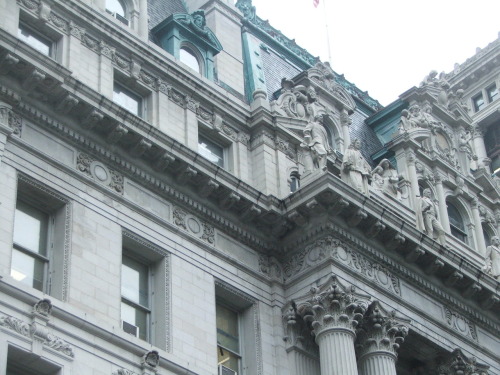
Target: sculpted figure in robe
point(385, 178)
point(355, 169)
point(315, 145)
point(492, 265)
point(427, 220)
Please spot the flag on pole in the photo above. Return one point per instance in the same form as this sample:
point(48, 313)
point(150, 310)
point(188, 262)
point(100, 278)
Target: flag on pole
point(315, 3)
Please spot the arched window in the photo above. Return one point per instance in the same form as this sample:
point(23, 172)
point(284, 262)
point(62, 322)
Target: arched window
point(118, 9)
point(457, 225)
point(189, 58)
point(294, 181)
point(487, 237)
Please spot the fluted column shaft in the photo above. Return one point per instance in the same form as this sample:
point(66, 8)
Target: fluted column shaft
point(336, 352)
point(378, 363)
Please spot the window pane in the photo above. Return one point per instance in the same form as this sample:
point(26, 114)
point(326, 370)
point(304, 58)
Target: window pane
point(27, 269)
point(227, 328)
point(36, 41)
point(135, 281)
point(227, 359)
point(188, 58)
point(492, 92)
point(211, 151)
point(127, 99)
point(115, 6)
point(136, 317)
point(478, 102)
point(30, 228)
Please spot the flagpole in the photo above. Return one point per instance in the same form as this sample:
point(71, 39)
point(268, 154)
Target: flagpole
point(327, 33)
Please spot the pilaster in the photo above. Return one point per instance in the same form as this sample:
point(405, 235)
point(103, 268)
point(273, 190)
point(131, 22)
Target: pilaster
point(478, 229)
point(478, 140)
point(443, 211)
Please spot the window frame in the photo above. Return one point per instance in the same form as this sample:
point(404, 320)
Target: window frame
point(193, 51)
point(57, 209)
point(125, 18)
point(294, 176)
point(475, 102)
point(457, 229)
point(130, 94)
point(220, 348)
point(39, 36)
point(158, 262)
point(224, 150)
point(489, 92)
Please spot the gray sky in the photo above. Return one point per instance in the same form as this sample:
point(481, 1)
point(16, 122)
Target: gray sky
point(386, 47)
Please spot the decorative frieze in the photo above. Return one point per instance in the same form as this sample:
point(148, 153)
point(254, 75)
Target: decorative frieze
point(333, 248)
point(459, 323)
point(193, 225)
point(36, 331)
point(99, 172)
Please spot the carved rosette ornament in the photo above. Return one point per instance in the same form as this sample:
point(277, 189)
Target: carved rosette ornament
point(459, 364)
point(379, 337)
point(43, 307)
point(332, 313)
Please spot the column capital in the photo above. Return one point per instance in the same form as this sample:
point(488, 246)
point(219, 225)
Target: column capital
point(457, 363)
point(380, 332)
point(333, 306)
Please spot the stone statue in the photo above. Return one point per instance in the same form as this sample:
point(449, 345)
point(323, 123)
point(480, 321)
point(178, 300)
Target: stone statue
point(385, 178)
point(492, 265)
point(427, 221)
point(405, 124)
point(355, 169)
point(417, 119)
point(315, 145)
point(429, 79)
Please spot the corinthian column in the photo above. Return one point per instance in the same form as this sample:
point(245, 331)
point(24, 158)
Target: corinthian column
point(332, 313)
point(478, 141)
point(379, 337)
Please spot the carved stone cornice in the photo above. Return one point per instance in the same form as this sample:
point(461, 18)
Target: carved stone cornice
point(380, 331)
point(332, 306)
point(458, 364)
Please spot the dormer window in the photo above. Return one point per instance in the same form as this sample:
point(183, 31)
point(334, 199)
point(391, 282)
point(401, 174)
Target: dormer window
point(188, 57)
point(189, 39)
point(118, 10)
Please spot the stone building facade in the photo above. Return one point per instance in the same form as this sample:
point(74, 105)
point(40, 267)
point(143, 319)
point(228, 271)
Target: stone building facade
point(185, 190)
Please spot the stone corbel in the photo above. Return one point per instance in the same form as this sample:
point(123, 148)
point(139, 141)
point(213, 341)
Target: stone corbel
point(490, 301)
point(471, 290)
point(33, 80)
point(414, 254)
point(135, 69)
point(454, 278)
point(140, 148)
point(163, 162)
point(7, 63)
point(186, 174)
point(375, 229)
point(297, 218)
point(356, 218)
point(44, 10)
point(339, 205)
point(229, 201)
point(250, 213)
point(67, 103)
point(395, 242)
point(434, 266)
point(116, 134)
point(208, 188)
point(92, 119)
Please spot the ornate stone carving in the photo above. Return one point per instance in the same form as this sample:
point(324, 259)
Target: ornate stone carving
point(43, 307)
point(297, 331)
point(385, 179)
point(208, 233)
point(332, 305)
point(426, 213)
point(118, 132)
point(33, 79)
point(333, 248)
point(315, 147)
point(297, 101)
point(459, 323)
point(196, 22)
point(163, 161)
point(180, 218)
point(285, 147)
point(458, 364)
point(92, 119)
point(150, 359)
point(355, 170)
point(15, 123)
point(380, 331)
point(492, 258)
point(67, 103)
point(16, 325)
point(99, 172)
point(122, 371)
point(271, 267)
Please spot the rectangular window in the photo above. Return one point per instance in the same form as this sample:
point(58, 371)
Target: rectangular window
point(145, 290)
point(39, 243)
point(135, 306)
point(492, 93)
point(228, 339)
point(212, 151)
point(29, 256)
point(478, 102)
point(20, 362)
point(36, 40)
point(129, 100)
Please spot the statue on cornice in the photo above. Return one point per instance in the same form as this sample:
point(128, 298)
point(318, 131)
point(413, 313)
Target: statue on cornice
point(355, 170)
point(197, 22)
point(298, 101)
point(385, 179)
point(316, 146)
point(246, 7)
point(427, 221)
point(429, 79)
point(492, 257)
